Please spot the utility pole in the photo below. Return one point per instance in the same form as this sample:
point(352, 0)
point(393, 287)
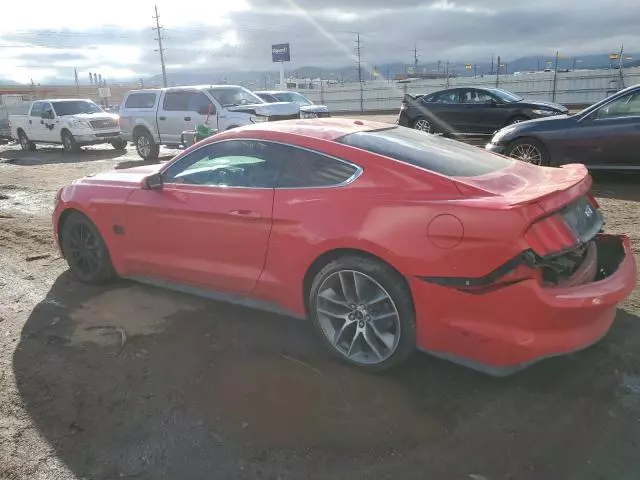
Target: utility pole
point(620, 65)
point(555, 77)
point(497, 71)
point(358, 54)
point(158, 29)
point(415, 59)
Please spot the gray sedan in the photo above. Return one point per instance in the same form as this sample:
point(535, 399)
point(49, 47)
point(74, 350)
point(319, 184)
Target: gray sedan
point(604, 136)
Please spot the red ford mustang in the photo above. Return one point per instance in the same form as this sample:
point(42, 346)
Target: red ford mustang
point(389, 239)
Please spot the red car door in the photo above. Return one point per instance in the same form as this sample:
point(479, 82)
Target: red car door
point(209, 223)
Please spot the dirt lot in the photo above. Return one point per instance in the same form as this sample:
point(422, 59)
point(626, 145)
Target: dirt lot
point(130, 381)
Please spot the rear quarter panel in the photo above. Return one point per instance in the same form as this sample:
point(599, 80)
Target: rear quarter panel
point(130, 118)
point(387, 212)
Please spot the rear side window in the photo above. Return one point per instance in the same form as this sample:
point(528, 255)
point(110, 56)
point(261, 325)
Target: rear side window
point(141, 100)
point(309, 169)
point(430, 152)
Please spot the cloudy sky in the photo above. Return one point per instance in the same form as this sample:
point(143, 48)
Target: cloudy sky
point(50, 39)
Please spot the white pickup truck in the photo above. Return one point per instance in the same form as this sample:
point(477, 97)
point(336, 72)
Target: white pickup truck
point(72, 123)
point(153, 117)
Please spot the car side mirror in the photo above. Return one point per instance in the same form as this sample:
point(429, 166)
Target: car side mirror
point(491, 103)
point(46, 115)
point(152, 182)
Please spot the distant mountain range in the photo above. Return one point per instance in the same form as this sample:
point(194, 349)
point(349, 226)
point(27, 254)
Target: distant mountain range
point(267, 79)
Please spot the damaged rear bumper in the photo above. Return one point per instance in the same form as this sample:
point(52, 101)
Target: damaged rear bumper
point(500, 331)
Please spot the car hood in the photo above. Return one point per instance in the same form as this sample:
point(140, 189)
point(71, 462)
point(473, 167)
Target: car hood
point(122, 177)
point(314, 108)
point(94, 116)
point(267, 109)
point(545, 105)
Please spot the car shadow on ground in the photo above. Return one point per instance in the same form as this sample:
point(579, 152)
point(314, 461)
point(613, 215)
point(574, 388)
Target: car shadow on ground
point(52, 155)
point(132, 381)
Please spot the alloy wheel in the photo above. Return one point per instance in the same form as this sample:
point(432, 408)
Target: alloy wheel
point(144, 146)
point(84, 249)
point(423, 125)
point(24, 142)
point(527, 153)
point(67, 142)
point(358, 317)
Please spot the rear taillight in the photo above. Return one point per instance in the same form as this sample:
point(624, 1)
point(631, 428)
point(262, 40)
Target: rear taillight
point(550, 235)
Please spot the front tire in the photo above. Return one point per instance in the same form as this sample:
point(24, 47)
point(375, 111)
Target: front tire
point(529, 150)
point(69, 143)
point(363, 312)
point(85, 251)
point(146, 146)
point(119, 144)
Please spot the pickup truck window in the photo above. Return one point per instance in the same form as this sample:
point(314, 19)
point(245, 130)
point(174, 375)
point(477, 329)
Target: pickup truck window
point(47, 109)
point(73, 107)
point(176, 101)
point(230, 96)
point(198, 102)
point(36, 109)
point(141, 100)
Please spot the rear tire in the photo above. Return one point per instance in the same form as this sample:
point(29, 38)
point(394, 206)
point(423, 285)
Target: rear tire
point(85, 251)
point(423, 125)
point(363, 312)
point(26, 144)
point(69, 143)
point(146, 146)
point(529, 150)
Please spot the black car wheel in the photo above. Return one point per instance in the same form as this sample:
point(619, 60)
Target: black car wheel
point(363, 312)
point(119, 144)
point(529, 150)
point(423, 125)
point(85, 250)
point(25, 143)
point(69, 143)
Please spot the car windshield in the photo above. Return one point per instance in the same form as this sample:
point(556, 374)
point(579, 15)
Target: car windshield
point(294, 97)
point(73, 107)
point(231, 96)
point(430, 152)
point(503, 95)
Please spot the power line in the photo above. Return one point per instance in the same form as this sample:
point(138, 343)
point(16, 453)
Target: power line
point(158, 28)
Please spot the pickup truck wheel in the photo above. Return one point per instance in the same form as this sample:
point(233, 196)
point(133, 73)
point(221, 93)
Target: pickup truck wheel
point(146, 146)
point(119, 144)
point(69, 143)
point(25, 143)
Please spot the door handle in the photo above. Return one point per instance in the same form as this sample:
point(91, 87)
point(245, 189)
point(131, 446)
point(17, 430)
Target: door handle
point(187, 119)
point(248, 214)
point(162, 118)
point(30, 121)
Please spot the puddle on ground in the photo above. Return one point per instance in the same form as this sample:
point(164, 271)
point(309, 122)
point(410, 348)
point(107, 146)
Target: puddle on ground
point(108, 319)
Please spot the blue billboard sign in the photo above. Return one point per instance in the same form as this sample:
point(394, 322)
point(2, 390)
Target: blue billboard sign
point(281, 52)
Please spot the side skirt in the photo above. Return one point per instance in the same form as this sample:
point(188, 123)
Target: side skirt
point(219, 296)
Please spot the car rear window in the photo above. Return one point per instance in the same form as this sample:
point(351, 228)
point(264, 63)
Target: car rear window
point(431, 152)
point(141, 100)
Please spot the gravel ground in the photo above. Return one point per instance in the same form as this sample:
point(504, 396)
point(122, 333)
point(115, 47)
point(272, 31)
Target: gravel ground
point(129, 381)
